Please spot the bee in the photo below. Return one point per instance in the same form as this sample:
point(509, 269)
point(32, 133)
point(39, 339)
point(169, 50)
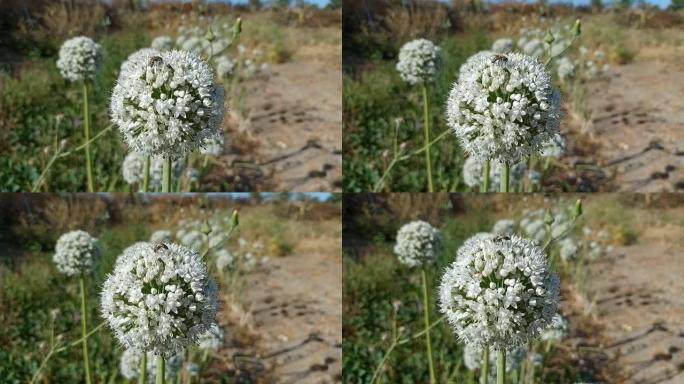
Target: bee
point(159, 246)
point(499, 58)
point(154, 60)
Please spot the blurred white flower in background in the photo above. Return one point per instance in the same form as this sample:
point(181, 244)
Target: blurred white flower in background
point(76, 253)
point(79, 58)
point(419, 62)
point(417, 243)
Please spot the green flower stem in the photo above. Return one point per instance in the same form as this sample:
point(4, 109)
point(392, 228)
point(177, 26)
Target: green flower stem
point(426, 130)
point(426, 317)
point(484, 371)
point(146, 175)
point(84, 329)
point(501, 366)
point(470, 378)
point(86, 137)
point(166, 186)
point(505, 171)
point(485, 177)
point(142, 376)
point(161, 367)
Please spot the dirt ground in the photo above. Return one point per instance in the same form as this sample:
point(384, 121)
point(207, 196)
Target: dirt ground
point(295, 317)
point(294, 120)
point(636, 299)
point(636, 120)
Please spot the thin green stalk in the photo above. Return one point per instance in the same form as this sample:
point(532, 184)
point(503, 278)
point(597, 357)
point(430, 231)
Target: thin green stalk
point(501, 366)
point(86, 134)
point(505, 171)
point(426, 317)
point(485, 177)
point(484, 371)
point(146, 175)
point(166, 186)
point(470, 377)
point(426, 130)
point(84, 329)
point(142, 377)
point(161, 368)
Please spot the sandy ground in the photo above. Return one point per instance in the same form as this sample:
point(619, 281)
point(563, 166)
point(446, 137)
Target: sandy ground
point(294, 117)
point(636, 118)
point(638, 301)
point(295, 317)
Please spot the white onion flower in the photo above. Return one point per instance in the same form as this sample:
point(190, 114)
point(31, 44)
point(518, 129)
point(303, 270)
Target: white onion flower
point(193, 239)
point(79, 58)
point(162, 43)
point(225, 66)
point(159, 298)
point(130, 365)
point(473, 170)
point(566, 68)
point(419, 61)
point(503, 45)
point(504, 109)
point(557, 330)
point(500, 293)
point(555, 147)
point(161, 236)
point(417, 242)
point(137, 58)
point(504, 227)
point(168, 104)
point(76, 253)
point(212, 338)
point(472, 241)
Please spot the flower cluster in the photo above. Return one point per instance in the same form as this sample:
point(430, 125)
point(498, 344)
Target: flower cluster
point(159, 298)
point(130, 365)
point(504, 108)
point(167, 104)
point(79, 58)
point(473, 172)
point(162, 43)
point(75, 253)
point(419, 61)
point(417, 242)
point(213, 145)
point(557, 330)
point(500, 293)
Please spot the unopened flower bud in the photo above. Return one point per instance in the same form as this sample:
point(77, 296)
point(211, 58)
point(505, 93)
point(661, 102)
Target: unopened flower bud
point(548, 217)
point(577, 28)
point(578, 208)
point(548, 38)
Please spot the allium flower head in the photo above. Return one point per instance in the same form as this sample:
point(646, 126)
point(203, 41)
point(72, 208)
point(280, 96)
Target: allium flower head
point(162, 43)
point(168, 104)
point(75, 253)
point(137, 58)
point(79, 58)
point(130, 365)
point(159, 298)
point(225, 66)
point(213, 145)
point(472, 241)
point(568, 249)
point(500, 293)
point(419, 61)
point(224, 260)
point(417, 242)
point(473, 170)
point(505, 108)
point(472, 62)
